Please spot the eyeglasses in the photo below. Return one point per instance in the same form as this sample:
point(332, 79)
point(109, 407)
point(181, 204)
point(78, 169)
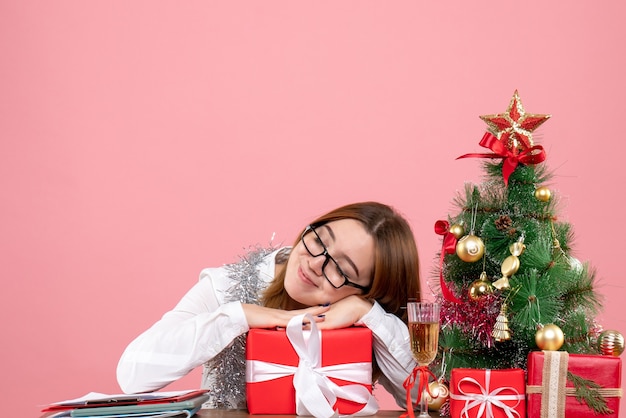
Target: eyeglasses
point(316, 248)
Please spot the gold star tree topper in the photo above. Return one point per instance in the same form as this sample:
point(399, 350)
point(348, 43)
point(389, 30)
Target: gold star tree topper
point(514, 127)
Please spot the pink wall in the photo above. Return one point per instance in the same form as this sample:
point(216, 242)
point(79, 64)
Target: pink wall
point(142, 141)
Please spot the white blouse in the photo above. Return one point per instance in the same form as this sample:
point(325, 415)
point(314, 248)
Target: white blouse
point(203, 323)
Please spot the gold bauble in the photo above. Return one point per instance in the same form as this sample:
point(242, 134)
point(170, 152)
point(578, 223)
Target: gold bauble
point(549, 337)
point(611, 343)
point(480, 288)
point(470, 248)
point(543, 194)
point(457, 230)
point(441, 394)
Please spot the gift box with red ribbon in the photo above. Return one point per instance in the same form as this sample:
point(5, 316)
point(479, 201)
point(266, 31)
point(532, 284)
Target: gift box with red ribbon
point(476, 393)
point(551, 388)
point(295, 371)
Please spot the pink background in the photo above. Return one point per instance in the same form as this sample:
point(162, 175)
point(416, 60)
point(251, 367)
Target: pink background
point(144, 140)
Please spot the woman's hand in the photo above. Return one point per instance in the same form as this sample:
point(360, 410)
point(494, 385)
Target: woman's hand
point(341, 314)
point(263, 317)
point(345, 312)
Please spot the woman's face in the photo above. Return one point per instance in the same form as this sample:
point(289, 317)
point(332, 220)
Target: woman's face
point(349, 245)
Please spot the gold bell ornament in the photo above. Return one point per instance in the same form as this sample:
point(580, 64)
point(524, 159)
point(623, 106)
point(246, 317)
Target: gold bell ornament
point(611, 343)
point(549, 337)
point(510, 265)
point(501, 328)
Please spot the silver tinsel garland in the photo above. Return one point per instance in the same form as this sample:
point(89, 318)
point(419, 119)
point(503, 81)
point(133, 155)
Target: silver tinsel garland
point(225, 374)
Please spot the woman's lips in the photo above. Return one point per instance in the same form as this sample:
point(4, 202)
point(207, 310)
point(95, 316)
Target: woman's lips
point(305, 278)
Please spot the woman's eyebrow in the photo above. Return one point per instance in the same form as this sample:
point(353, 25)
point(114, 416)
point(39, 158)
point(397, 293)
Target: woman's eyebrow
point(330, 231)
point(348, 259)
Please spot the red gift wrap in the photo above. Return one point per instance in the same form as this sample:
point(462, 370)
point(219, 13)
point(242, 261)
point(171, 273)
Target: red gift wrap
point(551, 394)
point(476, 393)
point(272, 361)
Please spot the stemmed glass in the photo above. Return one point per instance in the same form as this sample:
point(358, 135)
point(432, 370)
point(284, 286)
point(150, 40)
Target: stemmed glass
point(424, 331)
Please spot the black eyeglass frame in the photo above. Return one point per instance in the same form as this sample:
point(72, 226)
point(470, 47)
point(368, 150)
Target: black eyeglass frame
point(328, 257)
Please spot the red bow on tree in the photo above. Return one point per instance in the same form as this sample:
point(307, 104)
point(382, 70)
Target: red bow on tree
point(448, 247)
point(512, 158)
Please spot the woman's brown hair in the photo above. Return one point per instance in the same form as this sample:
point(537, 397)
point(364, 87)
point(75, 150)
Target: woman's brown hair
point(395, 277)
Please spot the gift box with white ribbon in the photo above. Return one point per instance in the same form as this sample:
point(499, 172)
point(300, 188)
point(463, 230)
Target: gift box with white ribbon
point(309, 372)
point(476, 393)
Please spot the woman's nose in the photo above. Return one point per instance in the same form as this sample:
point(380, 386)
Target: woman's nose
point(317, 264)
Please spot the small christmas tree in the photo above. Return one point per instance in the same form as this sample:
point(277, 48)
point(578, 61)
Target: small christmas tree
point(508, 282)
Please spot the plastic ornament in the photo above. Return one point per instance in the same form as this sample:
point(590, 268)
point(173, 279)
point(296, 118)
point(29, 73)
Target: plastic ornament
point(549, 337)
point(575, 264)
point(510, 265)
point(611, 343)
point(514, 127)
point(543, 194)
point(480, 287)
point(457, 230)
point(440, 392)
point(470, 248)
point(501, 328)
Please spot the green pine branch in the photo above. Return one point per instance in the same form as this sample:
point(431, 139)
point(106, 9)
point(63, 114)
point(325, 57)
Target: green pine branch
point(581, 291)
point(535, 301)
point(578, 329)
point(587, 391)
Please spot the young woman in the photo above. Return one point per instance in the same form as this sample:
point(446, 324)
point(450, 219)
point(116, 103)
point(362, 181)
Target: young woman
point(356, 265)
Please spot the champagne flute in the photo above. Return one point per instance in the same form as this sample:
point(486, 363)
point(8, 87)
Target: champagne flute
point(424, 331)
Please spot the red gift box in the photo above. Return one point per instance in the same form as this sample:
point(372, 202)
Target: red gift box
point(550, 389)
point(476, 393)
point(328, 370)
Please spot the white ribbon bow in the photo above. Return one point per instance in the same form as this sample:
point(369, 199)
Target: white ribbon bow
point(315, 392)
point(486, 400)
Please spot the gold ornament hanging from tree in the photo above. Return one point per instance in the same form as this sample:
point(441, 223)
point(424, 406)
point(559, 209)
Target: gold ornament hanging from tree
point(543, 194)
point(501, 327)
point(480, 287)
point(549, 337)
point(470, 248)
point(457, 230)
point(510, 265)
